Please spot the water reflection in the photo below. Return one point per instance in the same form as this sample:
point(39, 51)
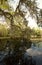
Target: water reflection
point(35, 47)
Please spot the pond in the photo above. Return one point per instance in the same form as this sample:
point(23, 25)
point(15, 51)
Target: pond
point(37, 45)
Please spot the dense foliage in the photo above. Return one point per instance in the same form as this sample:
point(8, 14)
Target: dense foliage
point(17, 24)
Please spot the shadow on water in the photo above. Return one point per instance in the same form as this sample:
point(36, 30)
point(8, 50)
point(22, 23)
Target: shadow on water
point(16, 56)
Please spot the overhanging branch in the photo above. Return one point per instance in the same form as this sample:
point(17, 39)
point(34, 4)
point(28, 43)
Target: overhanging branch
point(7, 15)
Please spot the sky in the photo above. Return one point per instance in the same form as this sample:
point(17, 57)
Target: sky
point(32, 22)
point(39, 3)
point(14, 3)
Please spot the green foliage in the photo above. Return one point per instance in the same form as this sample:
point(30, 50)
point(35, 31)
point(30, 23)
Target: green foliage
point(3, 31)
point(36, 32)
point(14, 43)
point(17, 23)
point(3, 44)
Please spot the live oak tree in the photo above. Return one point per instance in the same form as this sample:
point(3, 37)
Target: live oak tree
point(17, 16)
point(16, 13)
